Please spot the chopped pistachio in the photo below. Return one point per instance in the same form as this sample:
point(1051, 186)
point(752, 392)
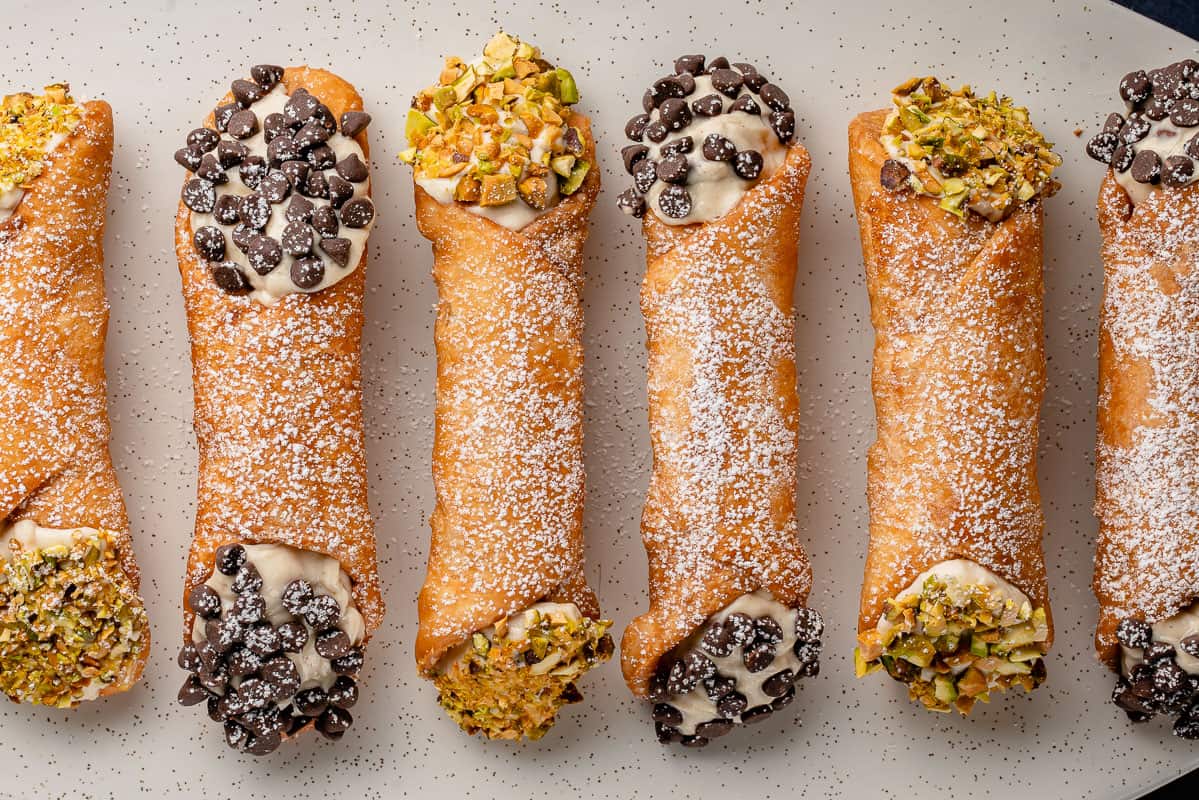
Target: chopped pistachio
point(577, 174)
point(509, 688)
point(70, 622)
point(954, 643)
point(979, 154)
point(505, 116)
point(28, 125)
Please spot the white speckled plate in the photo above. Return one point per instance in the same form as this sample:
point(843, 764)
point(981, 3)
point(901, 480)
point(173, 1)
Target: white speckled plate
point(162, 65)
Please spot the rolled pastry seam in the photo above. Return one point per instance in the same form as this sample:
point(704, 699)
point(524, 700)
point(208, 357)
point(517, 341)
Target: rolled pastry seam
point(1147, 561)
point(504, 187)
point(719, 181)
point(282, 586)
point(947, 187)
point(74, 626)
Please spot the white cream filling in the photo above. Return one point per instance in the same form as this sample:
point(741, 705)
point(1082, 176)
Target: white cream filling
point(714, 188)
point(518, 626)
point(696, 706)
point(1166, 139)
point(27, 535)
point(276, 284)
point(279, 565)
point(11, 197)
point(516, 214)
point(1170, 630)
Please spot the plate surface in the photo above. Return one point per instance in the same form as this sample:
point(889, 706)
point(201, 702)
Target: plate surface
point(162, 66)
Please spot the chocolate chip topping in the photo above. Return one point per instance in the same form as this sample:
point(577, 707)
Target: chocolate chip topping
point(188, 157)
point(227, 275)
point(675, 202)
point(1146, 167)
point(210, 243)
point(357, 213)
point(338, 250)
point(894, 175)
point(748, 164)
point(631, 202)
point(199, 195)
point(243, 124)
point(672, 169)
point(354, 123)
point(246, 93)
point(719, 148)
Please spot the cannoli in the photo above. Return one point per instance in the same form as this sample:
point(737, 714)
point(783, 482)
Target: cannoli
point(719, 180)
point(74, 627)
point(505, 181)
point(282, 587)
point(1147, 455)
point(948, 189)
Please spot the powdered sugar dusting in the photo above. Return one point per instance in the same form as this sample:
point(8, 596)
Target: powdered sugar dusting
point(1147, 564)
point(719, 521)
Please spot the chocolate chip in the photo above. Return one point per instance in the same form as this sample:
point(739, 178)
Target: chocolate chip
point(211, 171)
point(1168, 677)
point(311, 702)
point(222, 114)
point(247, 92)
point(332, 643)
point(669, 86)
point(299, 209)
point(727, 81)
point(1101, 147)
point(282, 148)
point(635, 128)
point(645, 172)
point(209, 657)
point(300, 106)
point(344, 692)
point(631, 202)
point(292, 636)
point(1185, 113)
point(631, 154)
point(1113, 123)
point(756, 714)
point(264, 254)
point(666, 734)
point(718, 686)
point(307, 272)
point(748, 165)
point(758, 656)
point(296, 596)
point(229, 632)
point(357, 213)
point(230, 154)
point(1178, 171)
point(204, 600)
point(742, 628)
point(807, 653)
point(1190, 645)
point(683, 144)
point(720, 62)
point(296, 172)
point(247, 579)
point(203, 139)
point(322, 157)
point(687, 81)
point(1146, 167)
point(189, 658)
point(263, 721)
point(1123, 157)
point(348, 664)
point(1158, 651)
point(216, 681)
point(352, 169)
point(656, 131)
point(675, 202)
point(708, 106)
point(784, 699)
point(274, 125)
point(1135, 87)
point(1157, 109)
point(310, 135)
point(254, 211)
point(215, 711)
point(262, 638)
point(1186, 728)
point(243, 124)
point(778, 683)
point(243, 662)
point(324, 219)
point(252, 170)
point(338, 250)
point(266, 75)
point(354, 123)
point(188, 157)
point(340, 190)
point(229, 558)
point(731, 704)
point(667, 714)
point(192, 692)
point(1135, 128)
point(783, 125)
point(692, 65)
point(809, 625)
point(297, 239)
point(719, 148)
point(210, 243)
point(746, 104)
point(713, 728)
point(1192, 147)
point(283, 671)
point(673, 169)
point(334, 723)
point(199, 195)
point(650, 100)
point(774, 97)
point(718, 639)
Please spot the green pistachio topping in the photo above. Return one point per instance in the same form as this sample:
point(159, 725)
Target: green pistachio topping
point(980, 154)
point(499, 128)
point(70, 622)
point(508, 688)
point(954, 643)
point(27, 125)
